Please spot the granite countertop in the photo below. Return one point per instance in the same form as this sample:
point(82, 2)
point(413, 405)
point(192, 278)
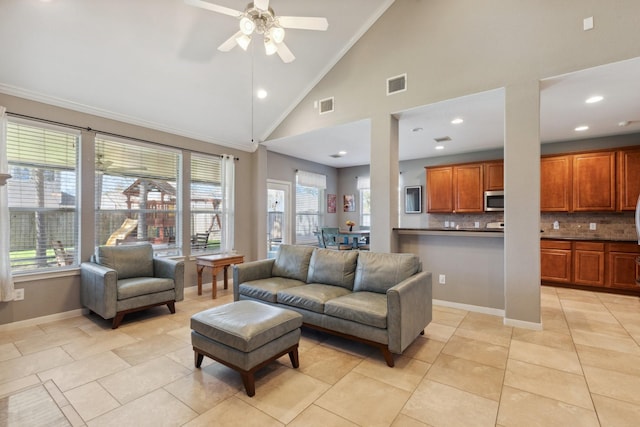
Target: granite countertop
point(455, 229)
point(453, 232)
point(591, 238)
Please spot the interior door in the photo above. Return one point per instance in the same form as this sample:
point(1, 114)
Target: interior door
point(278, 207)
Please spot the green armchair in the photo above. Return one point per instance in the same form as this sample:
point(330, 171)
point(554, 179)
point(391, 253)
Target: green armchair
point(127, 278)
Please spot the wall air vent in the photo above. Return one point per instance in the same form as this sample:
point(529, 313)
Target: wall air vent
point(442, 139)
point(396, 84)
point(326, 105)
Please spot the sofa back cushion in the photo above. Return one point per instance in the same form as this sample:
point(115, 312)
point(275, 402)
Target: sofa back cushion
point(292, 262)
point(332, 267)
point(128, 260)
point(377, 272)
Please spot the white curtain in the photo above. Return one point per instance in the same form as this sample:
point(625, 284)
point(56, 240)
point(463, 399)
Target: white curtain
point(6, 281)
point(228, 208)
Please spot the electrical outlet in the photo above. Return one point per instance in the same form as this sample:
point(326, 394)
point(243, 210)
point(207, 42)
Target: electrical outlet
point(453, 224)
point(477, 224)
point(442, 279)
point(592, 226)
point(587, 23)
point(18, 295)
point(556, 225)
point(446, 224)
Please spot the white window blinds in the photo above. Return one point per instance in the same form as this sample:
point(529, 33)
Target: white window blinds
point(309, 197)
point(206, 203)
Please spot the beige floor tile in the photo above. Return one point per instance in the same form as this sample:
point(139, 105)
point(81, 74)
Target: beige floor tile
point(624, 345)
point(545, 337)
point(148, 328)
point(354, 397)
point(31, 407)
point(448, 316)
point(158, 408)
point(315, 416)
point(552, 383)
point(16, 334)
point(91, 400)
point(83, 371)
point(406, 374)
point(607, 359)
point(234, 412)
point(467, 375)
point(134, 382)
point(55, 393)
point(8, 351)
point(96, 343)
point(440, 405)
point(613, 384)
point(206, 387)
point(61, 325)
point(283, 393)
point(149, 348)
point(72, 416)
point(491, 335)
point(405, 421)
point(616, 413)
point(438, 332)
point(424, 349)
point(477, 351)
point(596, 326)
point(520, 408)
point(348, 346)
point(550, 357)
point(327, 364)
point(33, 363)
point(183, 334)
point(54, 339)
point(185, 357)
point(11, 387)
point(554, 320)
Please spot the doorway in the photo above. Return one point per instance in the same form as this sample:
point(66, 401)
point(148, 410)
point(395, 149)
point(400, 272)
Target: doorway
point(278, 207)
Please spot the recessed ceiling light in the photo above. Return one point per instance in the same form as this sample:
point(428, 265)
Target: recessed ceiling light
point(439, 147)
point(594, 99)
point(262, 94)
point(581, 128)
point(342, 152)
point(417, 130)
point(456, 121)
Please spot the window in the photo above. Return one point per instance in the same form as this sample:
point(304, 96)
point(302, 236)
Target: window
point(310, 189)
point(206, 203)
point(42, 198)
point(136, 194)
point(365, 202)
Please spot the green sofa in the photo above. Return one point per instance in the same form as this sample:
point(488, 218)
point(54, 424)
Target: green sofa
point(382, 299)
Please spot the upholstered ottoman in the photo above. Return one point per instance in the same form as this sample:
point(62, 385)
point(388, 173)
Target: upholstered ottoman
point(246, 336)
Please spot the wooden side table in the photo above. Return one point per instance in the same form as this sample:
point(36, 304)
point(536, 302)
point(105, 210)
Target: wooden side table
point(216, 262)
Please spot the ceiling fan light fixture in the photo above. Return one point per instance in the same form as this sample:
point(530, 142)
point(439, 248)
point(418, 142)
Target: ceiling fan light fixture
point(270, 47)
point(247, 26)
point(277, 34)
point(243, 41)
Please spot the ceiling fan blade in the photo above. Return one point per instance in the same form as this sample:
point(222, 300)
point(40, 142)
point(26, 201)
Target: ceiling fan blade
point(285, 54)
point(230, 43)
point(261, 4)
point(304, 22)
point(214, 7)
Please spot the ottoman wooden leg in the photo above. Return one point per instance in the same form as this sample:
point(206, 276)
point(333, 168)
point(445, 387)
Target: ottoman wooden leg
point(293, 356)
point(249, 382)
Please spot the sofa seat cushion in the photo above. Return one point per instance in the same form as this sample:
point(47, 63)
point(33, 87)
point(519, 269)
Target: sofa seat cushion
point(311, 297)
point(377, 272)
point(267, 289)
point(367, 308)
point(333, 267)
point(134, 287)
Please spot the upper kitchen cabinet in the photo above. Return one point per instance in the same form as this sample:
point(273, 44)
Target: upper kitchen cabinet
point(468, 188)
point(555, 183)
point(494, 176)
point(594, 181)
point(440, 189)
point(628, 178)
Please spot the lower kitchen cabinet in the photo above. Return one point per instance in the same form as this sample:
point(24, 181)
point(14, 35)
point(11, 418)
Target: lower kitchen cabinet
point(597, 264)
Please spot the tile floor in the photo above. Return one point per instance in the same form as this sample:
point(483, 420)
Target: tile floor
point(468, 369)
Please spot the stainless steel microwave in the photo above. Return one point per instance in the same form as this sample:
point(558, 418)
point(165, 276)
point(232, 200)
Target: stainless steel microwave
point(493, 201)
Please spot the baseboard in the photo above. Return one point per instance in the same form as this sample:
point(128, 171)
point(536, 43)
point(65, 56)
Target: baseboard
point(523, 324)
point(44, 319)
point(469, 307)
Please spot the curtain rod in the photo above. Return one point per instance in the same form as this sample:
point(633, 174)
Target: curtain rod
point(88, 129)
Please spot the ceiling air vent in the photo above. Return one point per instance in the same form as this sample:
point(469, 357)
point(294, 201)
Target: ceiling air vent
point(442, 139)
point(396, 84)
point(326, 105)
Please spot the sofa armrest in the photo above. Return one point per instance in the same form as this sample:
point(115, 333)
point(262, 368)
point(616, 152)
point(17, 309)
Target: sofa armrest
point(409, 305)
point(99, 289)
point(254, 270)
point(171, 269)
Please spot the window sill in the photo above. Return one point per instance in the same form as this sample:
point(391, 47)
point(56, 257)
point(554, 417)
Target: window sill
point(44, 275)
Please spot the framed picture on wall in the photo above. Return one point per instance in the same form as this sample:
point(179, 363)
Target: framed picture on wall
point(349, 203)
point(413, 199)
point(331, 203)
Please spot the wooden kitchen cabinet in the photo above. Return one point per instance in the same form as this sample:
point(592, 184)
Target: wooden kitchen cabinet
point(588, 259)
point(439, 189)
point(622, 266)
point(555, 183)
point(468, 188)
point(555, 261)
point(493, 176)
point(594, 181)
point(628, 169)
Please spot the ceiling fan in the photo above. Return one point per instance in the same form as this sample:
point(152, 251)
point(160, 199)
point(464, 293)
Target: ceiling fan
point(259, 18)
